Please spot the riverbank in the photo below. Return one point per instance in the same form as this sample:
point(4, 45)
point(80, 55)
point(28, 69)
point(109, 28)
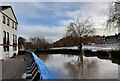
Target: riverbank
point(106, 47)
point(14, 68)
point(73, 51)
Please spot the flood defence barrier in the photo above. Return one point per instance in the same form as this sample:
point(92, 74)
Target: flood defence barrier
point(36, 69)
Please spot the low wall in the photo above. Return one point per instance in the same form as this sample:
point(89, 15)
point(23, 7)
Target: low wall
point(43, 70)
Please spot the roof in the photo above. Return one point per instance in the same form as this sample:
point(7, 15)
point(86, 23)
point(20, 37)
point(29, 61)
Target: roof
point(2, 8)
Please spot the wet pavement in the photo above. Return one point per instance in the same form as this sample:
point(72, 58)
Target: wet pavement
point(13, 68)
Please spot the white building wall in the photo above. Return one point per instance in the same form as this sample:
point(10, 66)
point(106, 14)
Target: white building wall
point(1, 41)
point(10, 30)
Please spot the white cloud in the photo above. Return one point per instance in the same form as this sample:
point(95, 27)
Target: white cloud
point(97, 11)
point(50, 33)
point(65, 22)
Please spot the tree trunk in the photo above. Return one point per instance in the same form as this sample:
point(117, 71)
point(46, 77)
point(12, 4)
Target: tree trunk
point(80, 47)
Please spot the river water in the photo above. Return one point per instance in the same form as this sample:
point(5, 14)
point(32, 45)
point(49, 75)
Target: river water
point(73, 67)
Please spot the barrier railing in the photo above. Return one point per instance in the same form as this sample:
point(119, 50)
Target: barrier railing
point(37, 69)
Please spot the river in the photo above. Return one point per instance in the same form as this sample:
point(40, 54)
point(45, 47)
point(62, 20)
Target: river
point(72, 67)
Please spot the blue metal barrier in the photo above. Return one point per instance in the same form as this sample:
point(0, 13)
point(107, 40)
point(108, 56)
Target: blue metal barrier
point(45, 72)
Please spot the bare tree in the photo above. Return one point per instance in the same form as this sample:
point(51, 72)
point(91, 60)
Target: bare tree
point(78, 29)
point(113, 21)
point(21, 42)
point(37, 43)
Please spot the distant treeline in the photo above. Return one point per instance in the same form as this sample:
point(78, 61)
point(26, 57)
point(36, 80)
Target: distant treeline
point(69, 41)
point(36, 43)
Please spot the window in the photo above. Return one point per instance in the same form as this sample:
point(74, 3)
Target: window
point(14, 39)
point(8, 38)
point(13, 25)
point(4, 37)
point(4, 34)
point(8, 21)
point(6, 48)
point(4, 19)
point(14, 48)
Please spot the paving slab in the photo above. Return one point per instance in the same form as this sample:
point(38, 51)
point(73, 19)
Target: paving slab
point(14, 68)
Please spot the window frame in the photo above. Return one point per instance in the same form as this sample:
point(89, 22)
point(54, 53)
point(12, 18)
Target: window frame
point(4, 19)
point(4, 37)
point(13, 24)
point(14, 48)
point(6, 48)
point(8, 36)
point(8, 21)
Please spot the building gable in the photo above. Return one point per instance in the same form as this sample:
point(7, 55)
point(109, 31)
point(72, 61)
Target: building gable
point(9, 13)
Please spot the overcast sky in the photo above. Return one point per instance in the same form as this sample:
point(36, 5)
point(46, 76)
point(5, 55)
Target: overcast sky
point(50, 19)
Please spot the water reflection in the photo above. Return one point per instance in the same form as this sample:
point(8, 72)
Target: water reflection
point(80, 67)
point(44, 57)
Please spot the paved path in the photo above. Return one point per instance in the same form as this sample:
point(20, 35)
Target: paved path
point(13, 68)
